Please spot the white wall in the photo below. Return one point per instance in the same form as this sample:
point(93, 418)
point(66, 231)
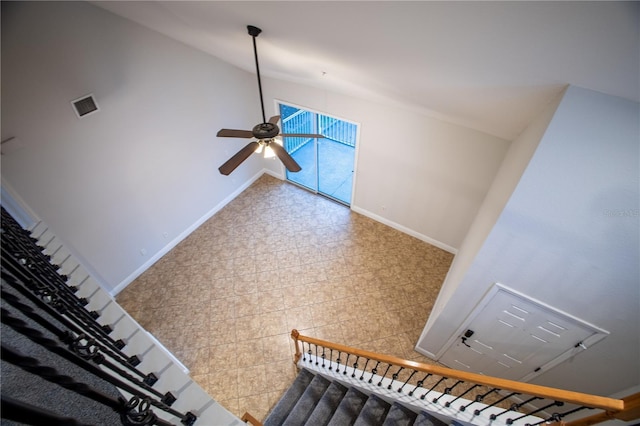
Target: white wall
point(113, 183)
point(569, 237)
point(419, 174)
point(515, 162)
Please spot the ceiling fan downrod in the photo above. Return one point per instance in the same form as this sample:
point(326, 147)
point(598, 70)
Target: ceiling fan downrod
point(254, 32)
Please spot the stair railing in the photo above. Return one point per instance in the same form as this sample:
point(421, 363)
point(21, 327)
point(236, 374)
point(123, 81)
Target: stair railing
point(39, 305)
point(449, 390)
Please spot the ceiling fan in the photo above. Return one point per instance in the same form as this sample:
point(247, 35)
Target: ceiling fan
point(265, 132)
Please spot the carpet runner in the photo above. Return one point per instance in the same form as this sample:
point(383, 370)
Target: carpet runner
point(316, 401)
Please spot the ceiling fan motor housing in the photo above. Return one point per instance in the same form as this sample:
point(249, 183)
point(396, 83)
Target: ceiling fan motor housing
point(265, 131)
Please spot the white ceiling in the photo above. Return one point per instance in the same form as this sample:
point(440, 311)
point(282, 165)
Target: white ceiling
point(490, 66)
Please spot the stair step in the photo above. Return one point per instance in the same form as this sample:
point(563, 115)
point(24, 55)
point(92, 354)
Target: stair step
point(426, 419)
point(309, 399)
point(373, 412)
point(327, 405)
point(289, 399)
point(399, 415)
point(349, 408)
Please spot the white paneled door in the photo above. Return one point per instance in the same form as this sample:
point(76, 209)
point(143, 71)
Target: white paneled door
point(513, 336)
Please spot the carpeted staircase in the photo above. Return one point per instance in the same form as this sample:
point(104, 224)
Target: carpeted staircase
point(314, 400)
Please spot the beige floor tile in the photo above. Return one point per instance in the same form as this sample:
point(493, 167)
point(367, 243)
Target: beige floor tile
point(252, 381)
point(277, 258)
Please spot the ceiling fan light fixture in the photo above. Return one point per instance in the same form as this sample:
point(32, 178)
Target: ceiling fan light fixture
point(268, 152)
point(264, 132)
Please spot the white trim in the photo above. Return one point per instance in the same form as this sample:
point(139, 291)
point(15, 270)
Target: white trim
point(412, 402)
point(16, 206)
point(135, 274)
point(404, 229)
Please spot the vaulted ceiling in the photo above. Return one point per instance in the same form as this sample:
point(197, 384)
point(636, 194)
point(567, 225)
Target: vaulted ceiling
point(491, 66)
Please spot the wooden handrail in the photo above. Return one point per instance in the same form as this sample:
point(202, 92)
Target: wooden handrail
point(248, 418)
point(630, 412)
point(593, 401)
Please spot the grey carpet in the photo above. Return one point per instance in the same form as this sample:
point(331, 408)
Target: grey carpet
point(426, 419)
point(399, 415)
point(289, 399)
point(316, 401)
point(34, 390)
point(374, 412)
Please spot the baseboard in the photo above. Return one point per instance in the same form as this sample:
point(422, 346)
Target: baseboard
point(153, 259)
point(404, 229)
point(425, 353)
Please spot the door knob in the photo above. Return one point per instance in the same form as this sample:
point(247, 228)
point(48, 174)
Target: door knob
point(464, 338)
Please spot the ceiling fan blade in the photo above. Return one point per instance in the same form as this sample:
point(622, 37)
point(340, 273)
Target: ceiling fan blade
point(274, 119)
point(238, 158)
point(284, 156)
point(301, 135)
point(232, 133)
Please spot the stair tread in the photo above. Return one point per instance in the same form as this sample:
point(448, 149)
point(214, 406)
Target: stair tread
point(349, 408)
point(327, 405)
point(426, 419)
point(373, 413)
point(306, 403)
point(399, 415)
point(289, 399)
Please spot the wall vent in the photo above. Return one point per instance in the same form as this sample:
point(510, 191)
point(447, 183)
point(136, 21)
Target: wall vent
point(85, 105)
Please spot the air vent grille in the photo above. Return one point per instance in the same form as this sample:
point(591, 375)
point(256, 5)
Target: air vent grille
point(85, 106)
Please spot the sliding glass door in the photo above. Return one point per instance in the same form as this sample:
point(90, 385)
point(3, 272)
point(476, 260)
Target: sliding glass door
point(328, 163)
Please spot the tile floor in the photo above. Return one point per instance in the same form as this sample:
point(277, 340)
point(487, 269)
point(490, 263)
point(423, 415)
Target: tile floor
point(277, 258)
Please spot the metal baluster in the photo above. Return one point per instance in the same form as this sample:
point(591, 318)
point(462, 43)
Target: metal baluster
point(330, 358)
point(394, 377)
point(364, 369)
point(23, 247)
point(338, 362)
point(420, 383)
point(477, 412)
point(317, 354)
point(447, 391)
point(138, 412)
point(479, 398)
point(52, 346)
point(34, 366)
point(433, 387)
point(385, 373)
point(355, 366)
point(557, 417)
point(13, 300)
point(323, 356)
point(448, 403)
point(37, 286)
point(407, 381)
point(346, 364)
point(553, 404)
point(513, 407)
point(374, 371)
point(89, 351)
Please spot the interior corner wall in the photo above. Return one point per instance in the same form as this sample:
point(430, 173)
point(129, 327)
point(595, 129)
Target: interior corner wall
point(569, 237)
point(131, 178)
point(419, 174)
point(513, 166)
point(135, 176)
